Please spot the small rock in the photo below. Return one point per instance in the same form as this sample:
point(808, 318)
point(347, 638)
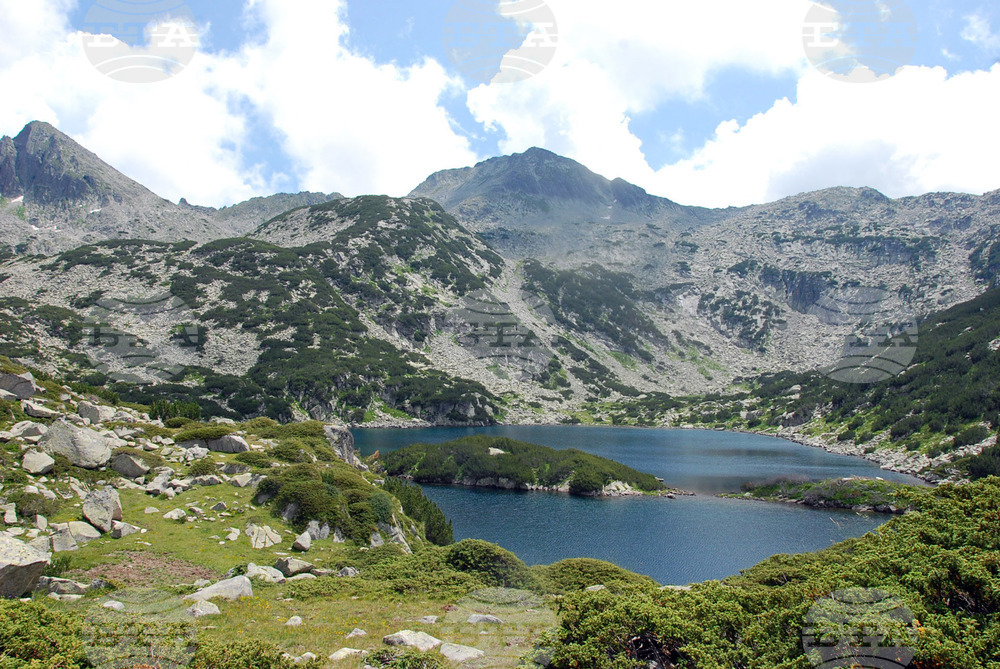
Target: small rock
point(221, 506)
point(21, 386)
point(63, 542)
point(266, 574)
point(262, 536)
point(129, 466)
point(294, 621)
point(231, 589)
point(21, 567)
point(176, 514)
point(595, 588)
point(37, 464)
point(120, 530)
point(151, 510)
point(410, 639)
point(102, 507)
point(428, 620)
point(113, 605)
point(376, 540)
point(457, 653)
point(345, 653)
point(356, 632)
point(201, 609)
point(348, 572)
point(230, 443)
point(479, 618)
point(303, 542)
point(94, 413)
point(290, 566)
point(83, 531)
point(37, 410)
point(241, 480)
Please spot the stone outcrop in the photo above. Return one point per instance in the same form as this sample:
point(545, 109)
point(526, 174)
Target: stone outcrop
point(342, 442)
point(37, 464)
point(21, 386)
point(410, 639)
point(21, 567)
point(129, 466)
point(95, 413)
point(82, 446)
point(230, 589)
point(102, 507)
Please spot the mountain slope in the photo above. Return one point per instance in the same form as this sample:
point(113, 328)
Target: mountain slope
point(531, 202)
point(55, 195)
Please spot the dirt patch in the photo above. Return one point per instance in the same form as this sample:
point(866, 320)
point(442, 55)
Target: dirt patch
point(141, 568)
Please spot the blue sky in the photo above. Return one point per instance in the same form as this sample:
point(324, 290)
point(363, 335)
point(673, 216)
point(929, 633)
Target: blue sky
point(715, 103)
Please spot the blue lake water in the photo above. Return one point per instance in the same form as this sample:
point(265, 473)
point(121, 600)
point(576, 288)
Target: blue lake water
point(676, 541)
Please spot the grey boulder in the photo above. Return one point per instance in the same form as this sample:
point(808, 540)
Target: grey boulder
point(37, 464)
point(21, 567)
point(457, 653)
point(202, 609)
point(303, 542)
point(410, 639)
point(102, 507)
point(21, 386)
point(231, 589)
point(129, 466)
point(266, 574)
point(292, 567)
point(230, 443)
point(82, 446)
point(94, 413)
point(478, 618)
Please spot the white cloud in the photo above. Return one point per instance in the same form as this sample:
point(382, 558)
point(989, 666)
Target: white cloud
point(347, 123)
point(916, 132)
point(977, 30)
point(613, 62)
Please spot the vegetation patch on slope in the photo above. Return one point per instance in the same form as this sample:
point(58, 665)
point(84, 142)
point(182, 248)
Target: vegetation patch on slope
point(499, 462)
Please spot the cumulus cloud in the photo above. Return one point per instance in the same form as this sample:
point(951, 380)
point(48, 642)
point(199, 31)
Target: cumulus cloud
point(346, 122)
point(916, 132)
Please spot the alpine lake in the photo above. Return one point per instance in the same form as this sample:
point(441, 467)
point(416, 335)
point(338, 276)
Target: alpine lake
point(675, 541)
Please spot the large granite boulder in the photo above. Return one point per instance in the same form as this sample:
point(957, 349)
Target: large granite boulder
point(95, 413)
point(129, 466)
point(102, 507)
point(37, 464)
point(82, 446)
point(342, 442)
point(21, 386)
point(231, 589)
point(20, 567)
point(410, 639)
point(290, 566)
point(231, 443)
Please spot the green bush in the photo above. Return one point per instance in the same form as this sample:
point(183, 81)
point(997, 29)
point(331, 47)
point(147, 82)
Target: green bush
point(495, 566)
point(254, 459)
point(203, 433)
point(30, 505)
point(204, 467)
point(292, 450)
point(382, 507)
point(395, 659)
point(585, 482)
point(33, 637)
point(244, 654)
point(576, 574)
point(416, 505)
point(177, 422)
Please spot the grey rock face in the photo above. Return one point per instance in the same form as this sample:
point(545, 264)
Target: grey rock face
point(95, 413)
point(410, 639)
point(292, 566)
point(21, 567)
point(82, 446)
point(37, 464)
point(342, 442)
point(231, 589)
point(458, 653)
point(21, 386)
point(129, 466)
point(102, 507)
point(230, 443)
point(262, 536)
